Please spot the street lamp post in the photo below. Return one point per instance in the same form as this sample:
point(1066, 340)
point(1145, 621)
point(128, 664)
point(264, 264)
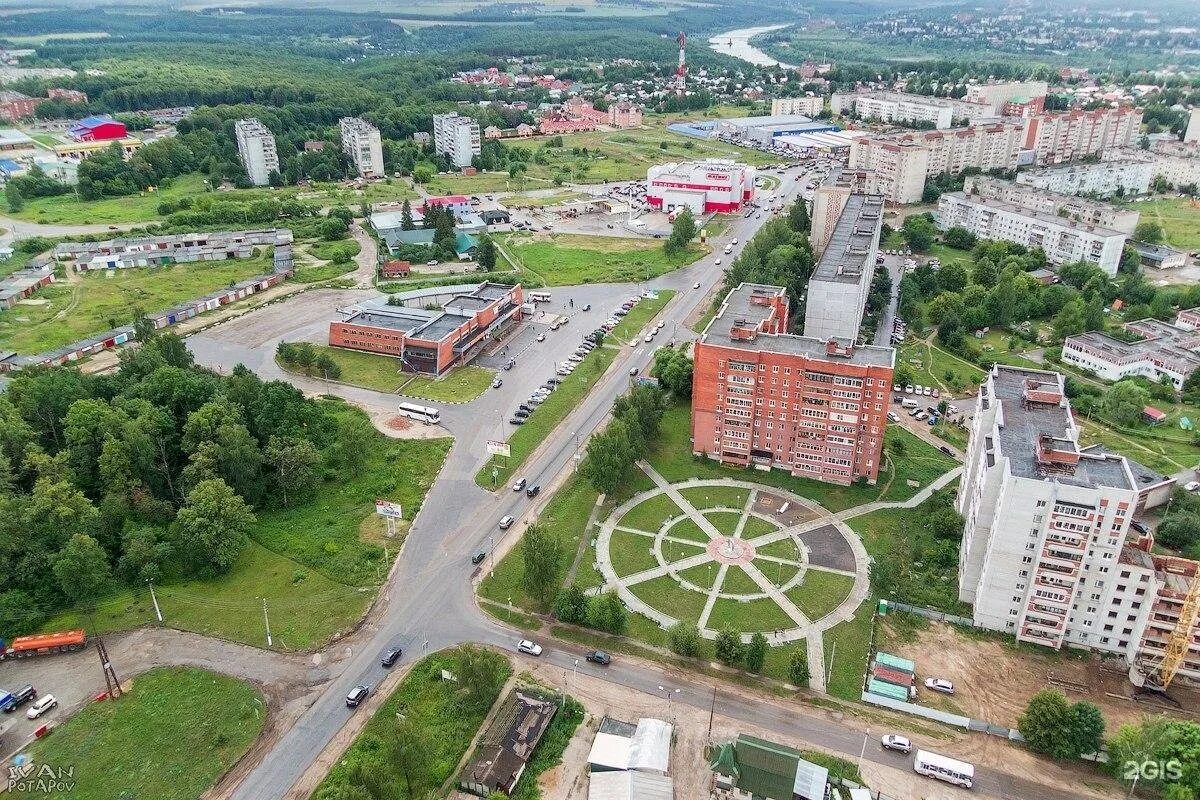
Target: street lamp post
point(492, 555)
point(668, 693)
point(574, 666)
point(863, 751)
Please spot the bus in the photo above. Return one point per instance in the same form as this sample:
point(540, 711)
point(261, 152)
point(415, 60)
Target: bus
point(950, 770)
point(539, 297)
point(420, 413)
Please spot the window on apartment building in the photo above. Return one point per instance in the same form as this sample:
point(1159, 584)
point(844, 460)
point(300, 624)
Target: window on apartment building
point(1033, 533)
point(1144, 578)
point(1104, 640)
point(1020, 586)
point(1131, 618)
point(1031, 546)
point(1012, 612)
point(1041, 503)
point(1135, 605)
point(774, 370)
point(1112, 615)
point(1016, 598)
point(1026, 559)
point(1120, 587)
point(1124, 573)
point(1092, 609)
point(1127, 631)
point(1012, 624)
point(1122, 644)
point(1108, 628)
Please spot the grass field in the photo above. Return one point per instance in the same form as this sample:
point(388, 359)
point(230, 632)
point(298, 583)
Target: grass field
point(460, 385)
point(68, 209)
point(170, 737)
point(820, 592)
point(702, 497)
point(369, 370)
point(848, 645)
point(649, 515)
point(99, 303)
point(932, 366)
point(574, 259)
point(1180, 220)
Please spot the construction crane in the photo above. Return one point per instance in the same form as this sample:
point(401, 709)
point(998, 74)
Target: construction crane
point(681, 70)
point(1157, 677)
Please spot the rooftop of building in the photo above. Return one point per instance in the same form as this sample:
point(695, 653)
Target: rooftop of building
point(1151, 250)
point(767, 120)
point(1038, 435)
point(848, 255)
point(1046, 219)
point(10, 136)
point(1159, 338)
point(746, 308)
point(396, 318)
point(891, 94)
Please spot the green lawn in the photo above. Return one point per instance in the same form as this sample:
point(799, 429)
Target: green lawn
point(755, 615)
point(68, 209)
point(546, 417)
point(724, 521)
point(665, 594)
point(702, 576)
point(702, 497)
point(574, 259)
point(1163, 452)
point(631, 553)
point(738, 581)
point(460, 385)
point(688, 529)
point(649, 515)
point(170, 737)
point(369, 370)
point(1180, 220)
point(929, 365)
point(438, 708)
point(62, 313)
point(633, 323)
point(820, 593)
point(756, 527)
point(326, 251)
point(848, 645)
point(785, 548)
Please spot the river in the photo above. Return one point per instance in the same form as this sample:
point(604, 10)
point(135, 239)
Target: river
point(737, 44)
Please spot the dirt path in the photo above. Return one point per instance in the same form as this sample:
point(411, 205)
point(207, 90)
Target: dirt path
point(367, 258)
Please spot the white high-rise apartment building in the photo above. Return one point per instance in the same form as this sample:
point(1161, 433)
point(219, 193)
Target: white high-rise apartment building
point(456, 137)
point(792, 106)
point(841, 280)
point(256, 149)
point(1047, 553)
point(903, 107)
point(362, 144)
point(1056, 137)
point(1076, 209)
point(1128, 173)
point(1062, 240)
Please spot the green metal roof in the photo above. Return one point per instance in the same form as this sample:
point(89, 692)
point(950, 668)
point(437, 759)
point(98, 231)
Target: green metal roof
point(766, 769)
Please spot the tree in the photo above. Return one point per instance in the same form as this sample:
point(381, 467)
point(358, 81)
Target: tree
point(1046, 724)
point(144, 552)
point(798, 217)
point(685, 639)
point(607, 613)
point(485, 253)
point(951, 332)
point(1069, 320)
point(1124, 401)
point(1087, 728)
point(919, 232)
point(683, 230)
point(211, 527)
point(351, 445)
point(294, 461)
point(408, 752)
point(756, 652)
point(541, 552)
point(673, 368)
point(1149, 232)
point(1179, 530)
point(953, 277)
point(959, 237)
point(82, 569)
point(571, 605)
point(728, 647)
point(609, 456)
point(16, 201)
point(406, 217)
point(481, 672)
point(798, 674)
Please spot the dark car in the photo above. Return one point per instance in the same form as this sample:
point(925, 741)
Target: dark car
point(528, 409)
point(1139, 527)
point(478, 557)
point(517, 421)
point(19, 698)
point(391, 657)
point(599, 657)
point(357, 695)
point(532, 491)
point(521, 413)
point(946, 450)
point(509, 364)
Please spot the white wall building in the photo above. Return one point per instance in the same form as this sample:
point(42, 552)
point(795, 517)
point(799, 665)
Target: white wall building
point(1127, 176)
point(903, 107)
point(793, 106)
point(841, 280)
point(1062, 240)
point(362, 144)
point(256, 150)
point(1046, 553)
point(1192, 133)
point(1164, 351)
point(713, 185)
point(457, 138)
point(1076, 209)
point(901, 167)
point(1177, 170)
point(996, 95)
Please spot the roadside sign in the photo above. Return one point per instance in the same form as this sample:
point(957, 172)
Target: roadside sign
point(386, 508)
point(497, 448)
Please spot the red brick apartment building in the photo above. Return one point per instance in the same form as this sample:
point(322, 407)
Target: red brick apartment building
point(431, 342)
point(767, 398)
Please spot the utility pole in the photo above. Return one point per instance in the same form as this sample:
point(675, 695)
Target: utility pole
point(111, 683)
point(154, 600)
point(267, 623)
point(492, 554)
point(712, 709)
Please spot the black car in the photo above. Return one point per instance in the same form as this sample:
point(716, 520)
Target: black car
point(478, 557)
point(599, 657)
point(528, 409)
point(19, 698)
point(946, 450)
point(521, 413)
point(357, 695)
point(532, 491)
point(1139, 527)
point(391, 657)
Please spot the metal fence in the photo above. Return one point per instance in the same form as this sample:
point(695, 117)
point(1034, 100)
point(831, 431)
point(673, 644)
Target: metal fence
point(957, 720)
point(930, 613)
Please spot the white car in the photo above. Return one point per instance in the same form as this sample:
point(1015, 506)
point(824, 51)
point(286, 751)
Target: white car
point(496, 384)
point(541, 337)
point(41, 706)
point(696, 285)
point(735, 241)
point(900, 744)
point(506, 522)
point(927, 391)
point(717, 263)
point(1192, 486)
point(648, 338)
point(532, 648)
point(661, 324)
point(893, 416)
point(939, 685)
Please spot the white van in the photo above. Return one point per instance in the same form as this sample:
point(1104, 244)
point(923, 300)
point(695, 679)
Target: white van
point(908, 402)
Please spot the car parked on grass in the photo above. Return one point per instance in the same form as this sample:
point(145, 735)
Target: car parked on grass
point(940, 685)
point(526, 646)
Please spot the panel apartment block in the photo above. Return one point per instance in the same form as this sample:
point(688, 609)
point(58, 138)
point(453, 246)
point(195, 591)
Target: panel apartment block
point(838, 288)
point(362, 144)
point(763, 397)
point(797, 106)
point(1076, 209)
point(456, 137)
point(903, 107)
point(1062, 240)
point(256, 149)
point(1128, 176)
point(1057, 137)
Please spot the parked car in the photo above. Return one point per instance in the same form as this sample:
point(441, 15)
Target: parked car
point(896, 742)
point(893, 416)
point(696, 285)
point(533, 491)
point(496, 384)
point(506, 522)
point(517, 420)
point(478, 558)
point(19, 698)
point(532, 648)
point(41, 706)
point(939, 685)
point(541, 337)
point(390, 658)
point(519, 484)
point(908, 389)
point(357, 695)
point(599, 657)
point(587, 307)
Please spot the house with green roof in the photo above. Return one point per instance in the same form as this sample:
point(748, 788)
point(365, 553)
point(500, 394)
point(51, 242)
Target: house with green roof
point(464, 243)
point(750, 768)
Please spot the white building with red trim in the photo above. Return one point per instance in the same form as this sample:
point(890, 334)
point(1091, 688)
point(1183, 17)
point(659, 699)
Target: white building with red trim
point(715, 185)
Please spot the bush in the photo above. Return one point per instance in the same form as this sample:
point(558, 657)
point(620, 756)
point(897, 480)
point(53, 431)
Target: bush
point(685, 639)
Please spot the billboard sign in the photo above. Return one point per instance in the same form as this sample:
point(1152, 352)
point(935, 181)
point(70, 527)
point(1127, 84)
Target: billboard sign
point(497, 448)
point(386, 508)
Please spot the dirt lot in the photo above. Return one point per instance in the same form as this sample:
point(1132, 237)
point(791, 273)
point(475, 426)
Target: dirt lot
point(993, 680)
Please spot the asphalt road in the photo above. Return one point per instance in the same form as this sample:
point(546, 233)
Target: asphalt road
point(428, 598)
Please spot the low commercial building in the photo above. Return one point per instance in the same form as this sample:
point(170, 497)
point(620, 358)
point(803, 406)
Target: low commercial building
point(763, 397)
point(841, 280)
point(78, 151)
point(764, 130)
point(797, 106)
point(1076, 209)
point(12, 140)
point(1062, 240)
point(395, 238)
point(1164, 351)
point(363, 146)
point(431, 342)
point(713, 185)
point(22, 284)
point(506, 747)
point(1047, 554)
point(641, 747)
point(98, 128)
point(1128, 176)
point(885, 106)
point(1159, 256)
point(749, 768)
point(159, 251)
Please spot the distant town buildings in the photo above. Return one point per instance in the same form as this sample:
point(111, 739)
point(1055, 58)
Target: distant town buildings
point(1003, 96)
point(159, 251)
point(841, 280)
point(802, 106)
point(1063, 240)
point(887, 106)
point(16, 106)
point(714, 185)
point(1075, 209)
point(256, 150)
point(761, 396)
point(363, 146)
point(456, 137)
point(1047, 552)
point(1129, 176)
point(67, 95)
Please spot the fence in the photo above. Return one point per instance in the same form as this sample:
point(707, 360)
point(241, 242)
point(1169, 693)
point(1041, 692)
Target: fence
point(929, 613)
point(957, 720)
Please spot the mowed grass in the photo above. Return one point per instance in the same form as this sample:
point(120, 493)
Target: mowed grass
point(574, 259)
point(368, 370)
point(1179, 218)
point(651, 514)
point(665, 594)
point(173, 734)
point(68, 209)
point(631, 553)
point(848, 645)
point(703, 497)
point(748, 617)
point(820, 592)
point(99, 303)
point(632, 324)
point(460, 385)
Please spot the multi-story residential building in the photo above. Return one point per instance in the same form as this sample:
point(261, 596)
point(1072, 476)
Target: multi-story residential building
point(256, 149)
point(901, 167)
point(1192, 133)
point(15, 106)
point(1047, 553)
point(456, 137)
point(763, 397)
point(1076, 209)
point(804, 106)
point(1000, 95)
point(940, 112)
point(841, 280)
point(363, 146)
point(1127, 176)
point(1056, 137)
point(1178, 167)
point(829, 200)
point(1164, 351)
point(1062, 240)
